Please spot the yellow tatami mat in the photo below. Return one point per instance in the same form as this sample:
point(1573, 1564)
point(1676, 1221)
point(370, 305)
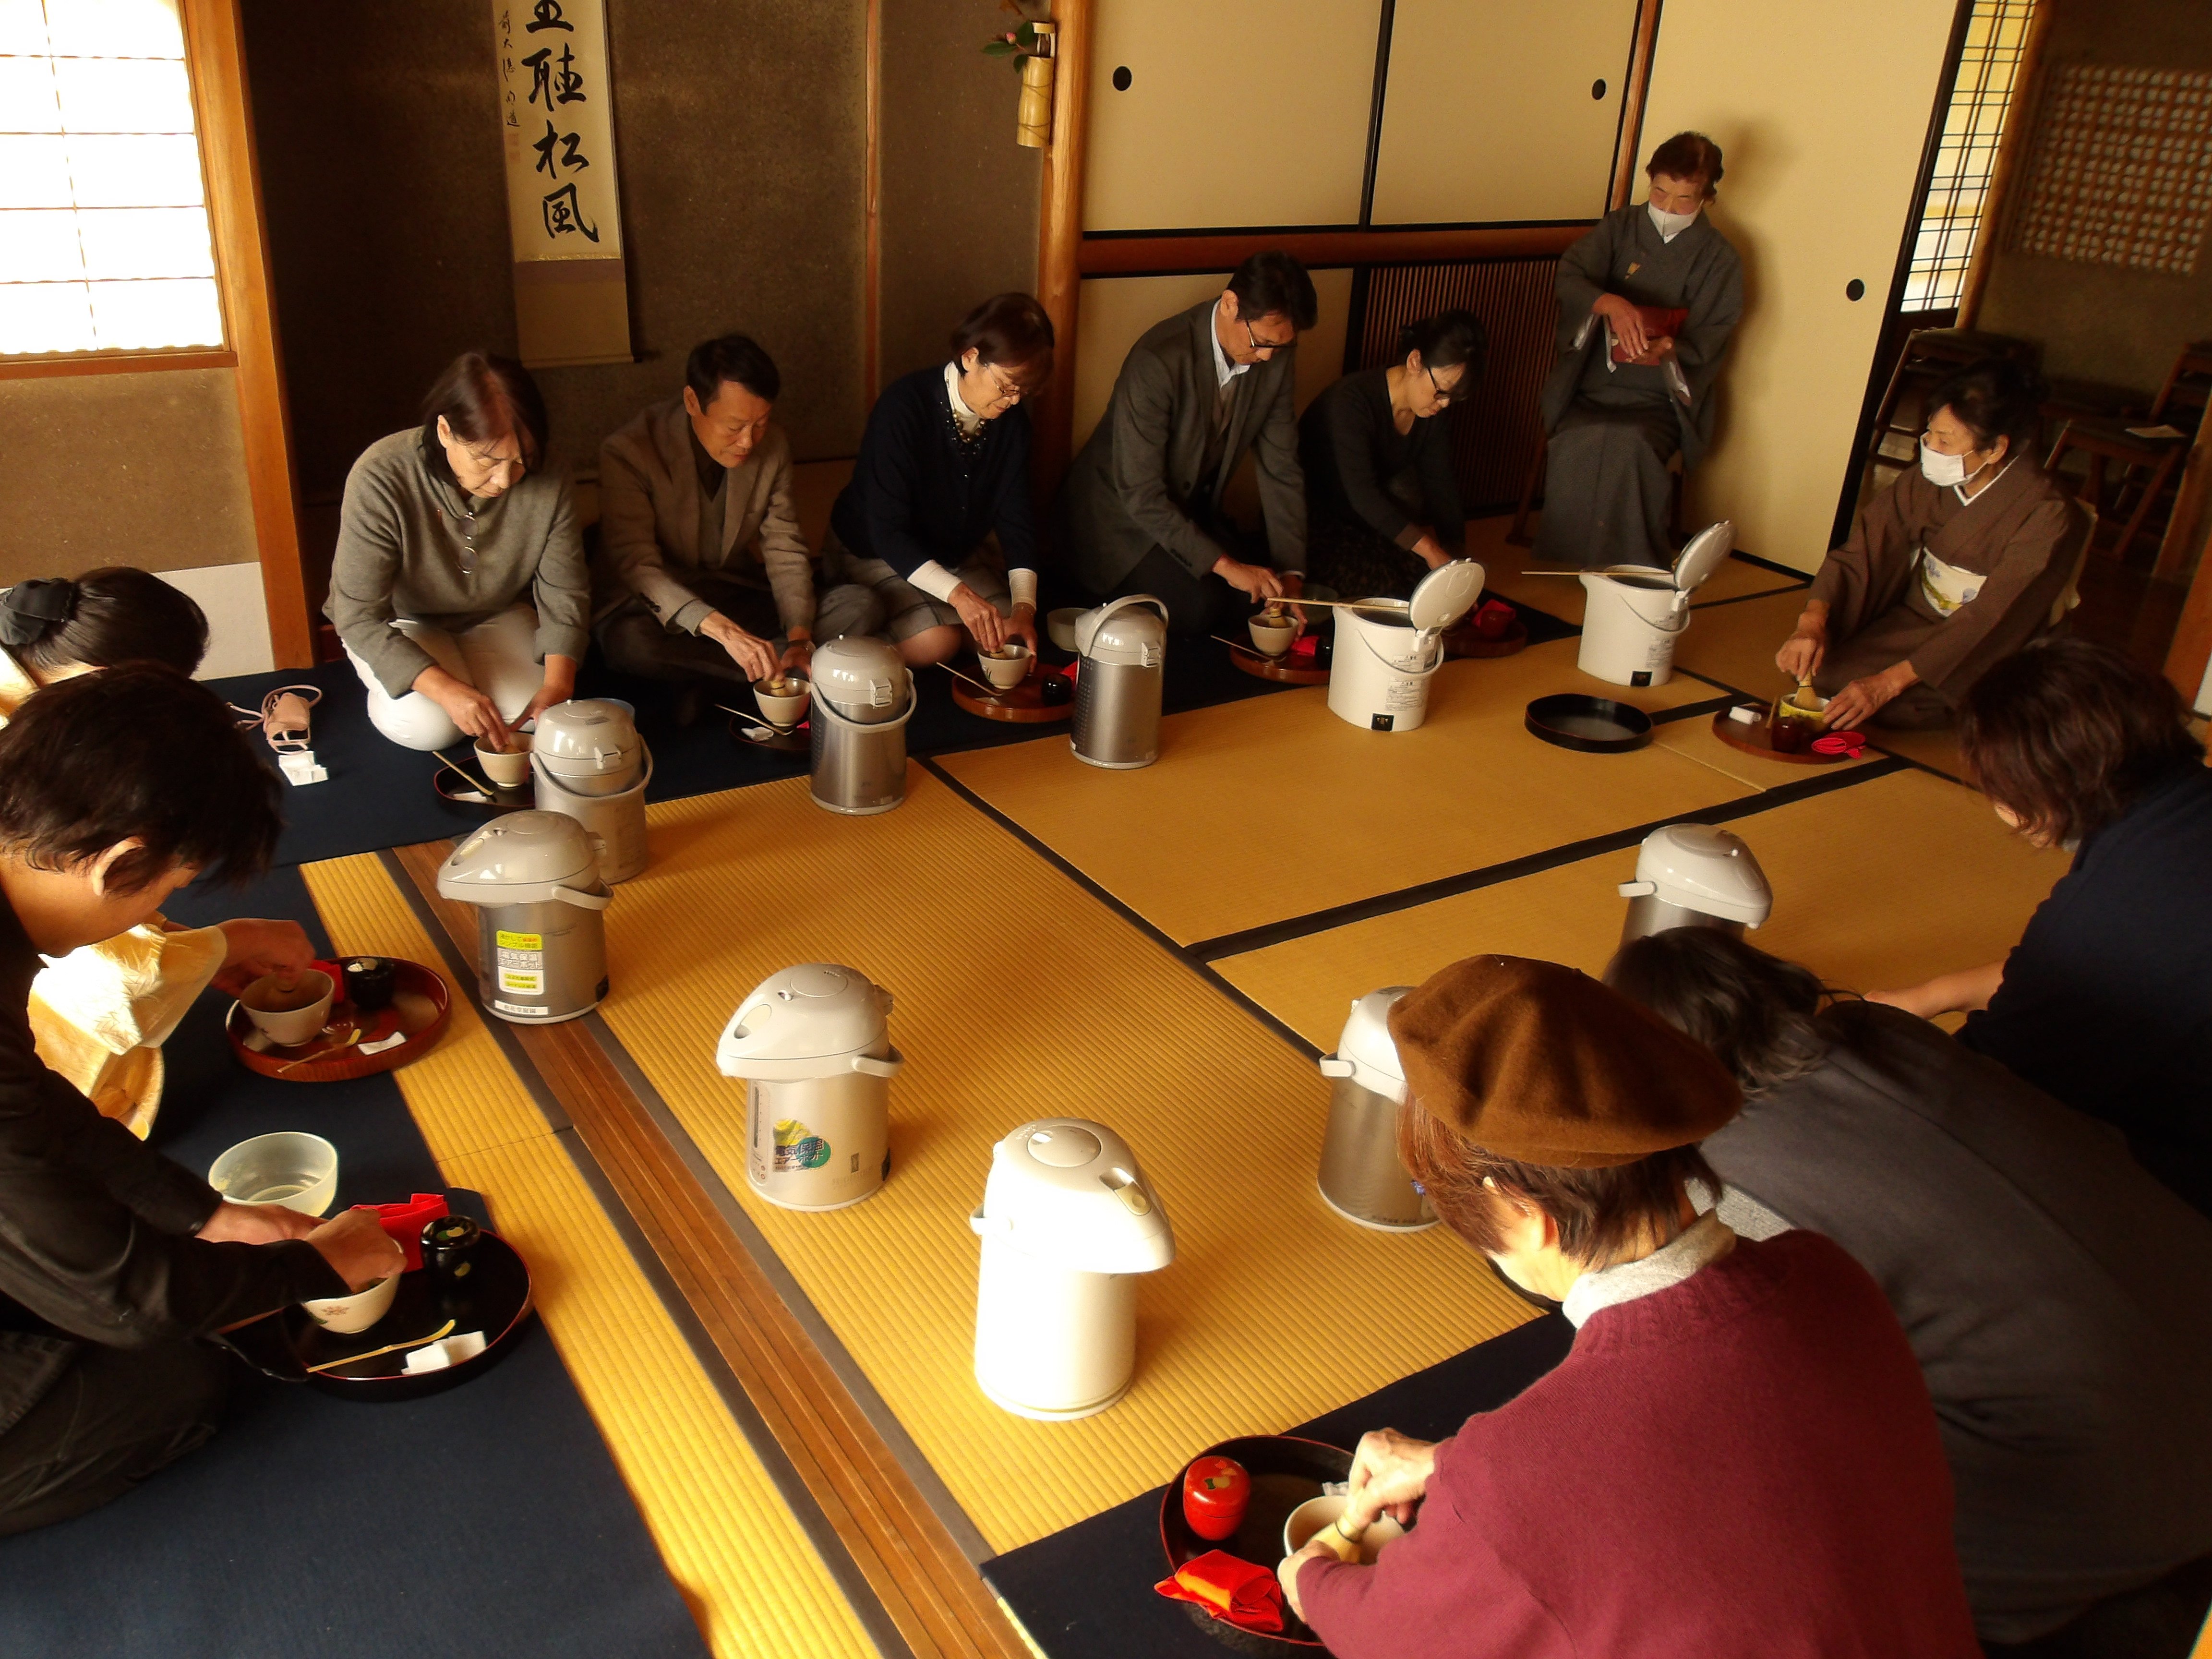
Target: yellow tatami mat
point(1884, 883)
point(1020, 996)
point(1263, 809)
point(1736, 644)
point(748, 1572)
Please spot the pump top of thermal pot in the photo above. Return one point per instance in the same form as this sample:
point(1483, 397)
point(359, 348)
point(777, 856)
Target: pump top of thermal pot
point(1125, 633)
point(1069, 1191)
point(812, 1020)
point(1365, 1053)
point(1698, 868)
point(864, 679)
point(520, 858)
point(592, 738)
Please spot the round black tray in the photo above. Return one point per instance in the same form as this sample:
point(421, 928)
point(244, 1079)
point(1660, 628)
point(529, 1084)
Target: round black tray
point(1596, 726)
point(495, 1298)
point(457, 795)
point(1286, 1472)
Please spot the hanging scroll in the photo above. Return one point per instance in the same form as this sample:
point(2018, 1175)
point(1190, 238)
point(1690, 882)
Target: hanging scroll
point(571, 300)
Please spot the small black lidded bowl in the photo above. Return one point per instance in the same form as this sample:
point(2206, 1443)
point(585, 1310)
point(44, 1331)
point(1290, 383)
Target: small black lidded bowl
point(368, 983)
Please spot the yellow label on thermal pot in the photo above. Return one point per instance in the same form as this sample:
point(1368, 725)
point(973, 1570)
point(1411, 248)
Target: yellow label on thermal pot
point(521, 941)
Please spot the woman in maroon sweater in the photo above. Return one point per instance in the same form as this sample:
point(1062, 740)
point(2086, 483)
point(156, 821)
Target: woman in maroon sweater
point(1737, 1457)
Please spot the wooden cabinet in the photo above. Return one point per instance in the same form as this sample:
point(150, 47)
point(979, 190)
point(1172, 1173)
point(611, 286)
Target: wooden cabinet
point(1211, 113)
point(1500, 111)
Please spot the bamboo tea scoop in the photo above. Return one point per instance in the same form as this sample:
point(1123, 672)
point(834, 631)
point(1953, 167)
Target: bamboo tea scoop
point(474, 781)
point(443, 1331)
point(991, 692)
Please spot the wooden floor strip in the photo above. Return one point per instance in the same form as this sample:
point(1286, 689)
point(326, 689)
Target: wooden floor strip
point(907, 1556)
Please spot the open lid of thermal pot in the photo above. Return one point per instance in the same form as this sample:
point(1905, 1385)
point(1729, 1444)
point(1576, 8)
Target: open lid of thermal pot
point(864, 679)
point(522, 857)
point(1365, 1053)
point(591, 746)
point(1696, 867)
point(814, 1020)
point(1068, 1191)
point(1125, 633)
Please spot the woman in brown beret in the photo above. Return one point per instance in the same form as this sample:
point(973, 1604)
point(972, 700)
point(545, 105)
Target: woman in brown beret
point(1738, 1455)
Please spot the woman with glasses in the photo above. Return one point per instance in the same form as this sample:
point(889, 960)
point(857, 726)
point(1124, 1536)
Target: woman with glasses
point(1381, 508)
point(937, 519)
point(459, 587)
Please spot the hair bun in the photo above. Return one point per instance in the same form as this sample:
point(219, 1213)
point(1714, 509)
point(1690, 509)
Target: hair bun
point(29, 610)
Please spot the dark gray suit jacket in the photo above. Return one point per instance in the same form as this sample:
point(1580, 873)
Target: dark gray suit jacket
point(1126, 493)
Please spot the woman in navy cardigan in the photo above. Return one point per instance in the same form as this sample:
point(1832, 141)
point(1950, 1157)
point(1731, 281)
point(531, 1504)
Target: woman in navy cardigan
point(937, 519)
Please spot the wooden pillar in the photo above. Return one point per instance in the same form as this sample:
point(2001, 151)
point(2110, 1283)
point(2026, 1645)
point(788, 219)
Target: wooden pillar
point(1059, 277)
point(872, 257)
point(2189, 530)
point(214, 49)
point(1627, 153)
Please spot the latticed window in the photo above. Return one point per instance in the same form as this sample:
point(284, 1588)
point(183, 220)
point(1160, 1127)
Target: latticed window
point(1966, 157)
point(104, 240)
point(2123, 169)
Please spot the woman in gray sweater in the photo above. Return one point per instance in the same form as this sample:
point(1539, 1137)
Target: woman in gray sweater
point(459, 586)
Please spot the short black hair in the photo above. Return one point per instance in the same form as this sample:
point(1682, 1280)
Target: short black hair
point(1449, 339)
point(731, 357)
point(139, 751)
point(1271, 283)
point(1012, 331)
point(103, 619)
point(1758, 1013)
point(1997, 397)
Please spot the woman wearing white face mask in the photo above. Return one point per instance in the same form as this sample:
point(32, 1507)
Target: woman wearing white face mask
point(1647, 302)
point(1953, 566)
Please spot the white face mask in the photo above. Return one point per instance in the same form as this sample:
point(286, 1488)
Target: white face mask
point(1669, 225)
point(1941, 470)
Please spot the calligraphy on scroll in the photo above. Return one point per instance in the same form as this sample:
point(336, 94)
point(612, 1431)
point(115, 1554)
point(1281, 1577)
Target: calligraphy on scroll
point(555, 119)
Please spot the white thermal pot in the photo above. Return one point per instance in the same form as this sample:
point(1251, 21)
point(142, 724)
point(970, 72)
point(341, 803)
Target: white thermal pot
point(1387, 649)
point(1692, 875)
point(813, 1044)
point(589, 763)
point(1068, 1221)
point(863, 698)
point(1361, 1176)
point(1123, 645)
point(541, 930)
point(1634, 614)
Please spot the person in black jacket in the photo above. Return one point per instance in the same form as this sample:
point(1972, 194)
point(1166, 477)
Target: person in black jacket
point(115, 788)
point(1381, 507)
point(2106, 1001)
point(937, 520)
point(2052, 1290)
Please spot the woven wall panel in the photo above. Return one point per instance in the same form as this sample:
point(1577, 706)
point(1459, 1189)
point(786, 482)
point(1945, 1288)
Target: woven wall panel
point(1494, 438)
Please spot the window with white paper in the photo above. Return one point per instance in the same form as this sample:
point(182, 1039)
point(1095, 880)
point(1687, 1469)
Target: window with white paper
point(104, 236)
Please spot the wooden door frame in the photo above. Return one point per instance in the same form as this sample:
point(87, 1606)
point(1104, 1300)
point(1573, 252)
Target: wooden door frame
point(215, 55)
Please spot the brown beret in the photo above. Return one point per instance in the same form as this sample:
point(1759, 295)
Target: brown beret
point(1543, 1065)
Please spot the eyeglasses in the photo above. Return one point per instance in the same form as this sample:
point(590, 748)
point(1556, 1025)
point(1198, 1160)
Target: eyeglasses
point(495, 463)
point(1009, 390)
point(1443, 395)
point(1260, 346)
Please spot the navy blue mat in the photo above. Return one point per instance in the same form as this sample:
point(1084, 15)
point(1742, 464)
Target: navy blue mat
point(487, 1519)
point(380, 795)
point(1086, 1591)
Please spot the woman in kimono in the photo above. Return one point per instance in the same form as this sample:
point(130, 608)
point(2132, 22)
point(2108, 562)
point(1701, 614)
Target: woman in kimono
point(101, 1013)
point(1647, 302)
point(1960, 562)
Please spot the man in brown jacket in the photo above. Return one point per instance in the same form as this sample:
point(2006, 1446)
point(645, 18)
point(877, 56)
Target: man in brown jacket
point(700, 573)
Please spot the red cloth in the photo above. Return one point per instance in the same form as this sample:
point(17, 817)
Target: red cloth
point(1660, 322)
point(1745, 1462)
point(1234, 1591)
point(404, 1223)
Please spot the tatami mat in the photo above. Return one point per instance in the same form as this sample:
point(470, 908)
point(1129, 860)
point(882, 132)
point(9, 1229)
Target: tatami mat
point(1736, 643)
point(1258, 811)
point(1019, 995)
point(752, 1578)
point(1883, 883)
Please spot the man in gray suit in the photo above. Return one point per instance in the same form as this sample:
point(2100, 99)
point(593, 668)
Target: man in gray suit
point(1140, 510)
point(701, 574)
